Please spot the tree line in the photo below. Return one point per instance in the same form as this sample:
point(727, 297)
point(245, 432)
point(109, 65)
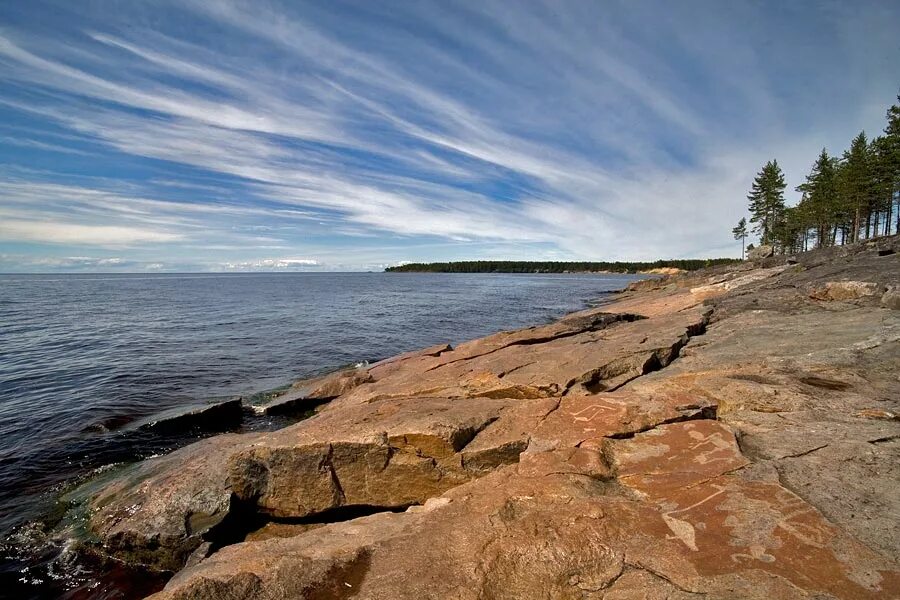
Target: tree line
point(844, 199)
point(520, 266)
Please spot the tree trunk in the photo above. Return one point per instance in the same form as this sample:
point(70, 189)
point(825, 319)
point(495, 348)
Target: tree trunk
point(897, 228)
point(887, 217)
point(886, 224)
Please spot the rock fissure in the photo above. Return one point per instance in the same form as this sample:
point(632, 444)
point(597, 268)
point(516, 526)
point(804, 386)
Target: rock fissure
point(335, 481)
point(471, 433)
point(661, 576)
point(503, 374)
point(887, 438)
point(607, 320)
point(703, 413)
point(552, 410)
point(593, 381)
point(244, 518)
point(803, 453)
point(611, 583)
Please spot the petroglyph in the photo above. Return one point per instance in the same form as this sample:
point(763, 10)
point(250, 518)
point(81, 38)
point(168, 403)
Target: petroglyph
point(597, 409)
point(683, 531)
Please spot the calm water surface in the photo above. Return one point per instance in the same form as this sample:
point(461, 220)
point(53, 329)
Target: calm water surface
point(84, 357)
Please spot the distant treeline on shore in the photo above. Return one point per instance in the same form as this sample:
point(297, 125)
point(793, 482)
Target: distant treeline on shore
point(528, 266)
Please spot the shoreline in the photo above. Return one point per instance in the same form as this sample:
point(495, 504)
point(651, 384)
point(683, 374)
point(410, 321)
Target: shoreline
point(418, 444)
point(37, 544)
point(102, 392)
point(297, 397)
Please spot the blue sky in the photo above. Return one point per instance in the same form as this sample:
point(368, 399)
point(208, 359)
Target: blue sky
point(209, 135)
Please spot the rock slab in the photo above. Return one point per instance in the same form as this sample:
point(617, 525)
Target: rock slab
point(722, 434)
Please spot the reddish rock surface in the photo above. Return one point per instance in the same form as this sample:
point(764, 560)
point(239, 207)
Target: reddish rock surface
point(593, 353)
point(557, 526)
point(722, 434)
point(156, 513)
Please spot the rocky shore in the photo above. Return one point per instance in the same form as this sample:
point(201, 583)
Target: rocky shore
point(727, 433)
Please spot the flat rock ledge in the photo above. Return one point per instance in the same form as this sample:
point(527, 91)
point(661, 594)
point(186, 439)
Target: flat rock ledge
point(730, 433)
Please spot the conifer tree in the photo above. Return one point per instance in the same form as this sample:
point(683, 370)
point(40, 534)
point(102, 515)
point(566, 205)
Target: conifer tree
point(820, 202)
point(892, 155)
point(882, 176)
point(856, 196)
point(856, 185)
point(789, 231)
point(740, 233)
point(766, 199)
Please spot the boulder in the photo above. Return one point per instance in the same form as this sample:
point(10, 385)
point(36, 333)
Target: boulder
point(891, 298)
point(845, 290)
point(158, 512)
point(390, 453)
point(760, 252)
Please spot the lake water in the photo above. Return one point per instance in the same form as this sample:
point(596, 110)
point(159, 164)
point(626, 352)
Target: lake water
point(85, 357)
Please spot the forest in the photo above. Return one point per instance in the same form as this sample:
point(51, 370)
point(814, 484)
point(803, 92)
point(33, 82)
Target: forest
point(845, 198)
point(527, 266)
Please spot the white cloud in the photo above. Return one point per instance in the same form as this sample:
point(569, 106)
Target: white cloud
point(271, 264)
point(610, 133)
point(71, 263)
point(54, 232)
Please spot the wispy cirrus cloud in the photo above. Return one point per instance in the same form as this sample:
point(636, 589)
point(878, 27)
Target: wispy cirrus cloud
point(435, 131)
point(56, 232)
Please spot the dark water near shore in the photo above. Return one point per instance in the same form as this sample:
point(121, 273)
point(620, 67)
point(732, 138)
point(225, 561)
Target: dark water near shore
point(85, 357)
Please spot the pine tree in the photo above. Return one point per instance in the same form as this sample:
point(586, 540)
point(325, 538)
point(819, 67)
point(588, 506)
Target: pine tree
point(856, 185)
point(882, 182)
point(819, 205)
point(789, 232)
point(854, 196)
point(892, 155)
point(740, 233)
point(766, 199)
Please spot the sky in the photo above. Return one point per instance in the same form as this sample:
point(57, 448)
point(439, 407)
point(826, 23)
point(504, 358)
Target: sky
point(219, 135)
